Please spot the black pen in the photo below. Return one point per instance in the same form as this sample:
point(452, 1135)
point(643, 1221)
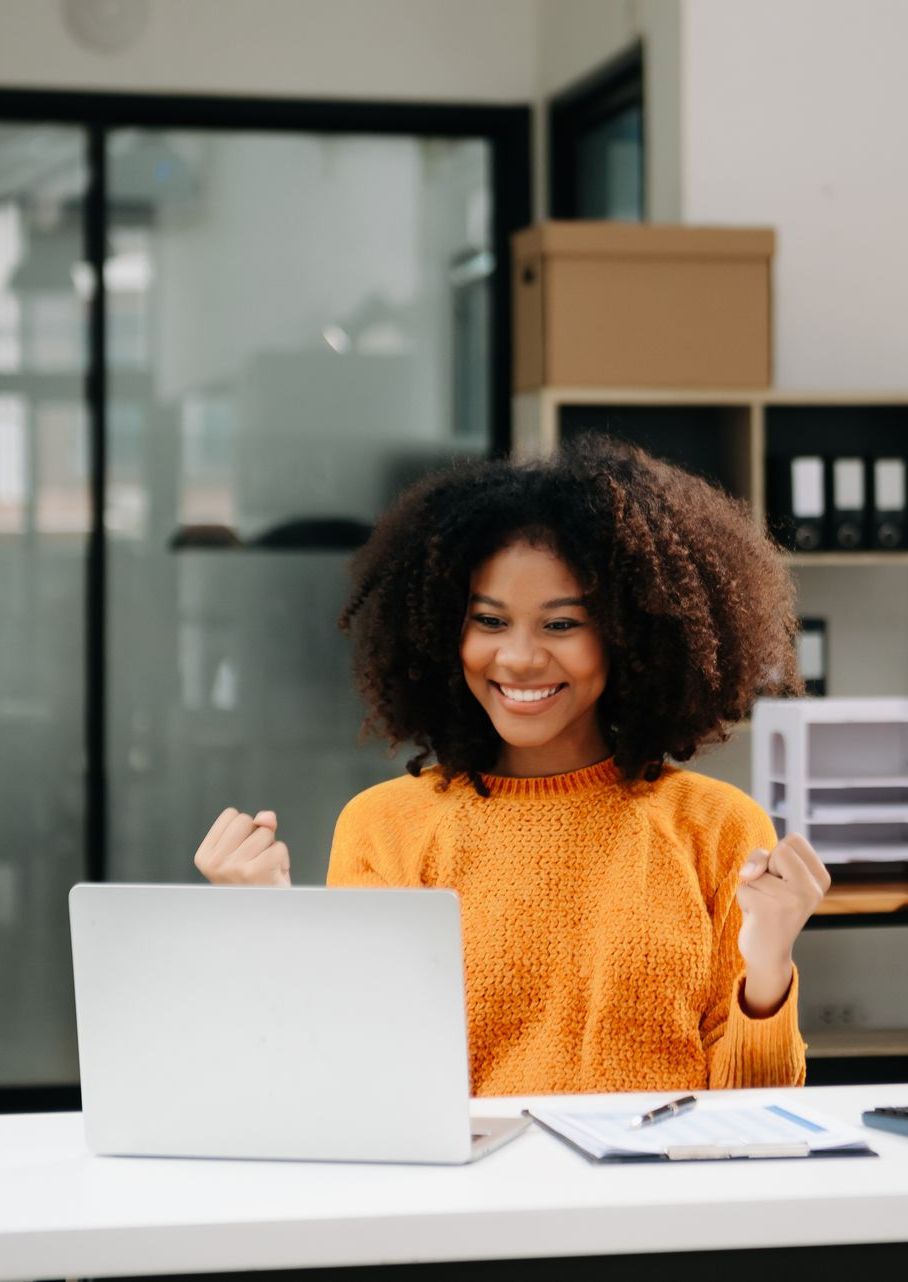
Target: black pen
point(664, 1111)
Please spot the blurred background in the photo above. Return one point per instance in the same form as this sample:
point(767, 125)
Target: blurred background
point(254, 277)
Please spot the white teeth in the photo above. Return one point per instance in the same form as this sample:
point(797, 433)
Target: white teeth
point(520, 695)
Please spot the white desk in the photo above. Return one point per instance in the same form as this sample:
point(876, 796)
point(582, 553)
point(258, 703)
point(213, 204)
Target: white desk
point(65, 1213)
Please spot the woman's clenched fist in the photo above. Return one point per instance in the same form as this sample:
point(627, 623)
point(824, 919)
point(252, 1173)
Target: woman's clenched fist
point(241, 850)
point(777, 892)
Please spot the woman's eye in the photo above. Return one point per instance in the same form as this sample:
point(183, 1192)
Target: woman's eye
point(563, 625)
point(488, 621)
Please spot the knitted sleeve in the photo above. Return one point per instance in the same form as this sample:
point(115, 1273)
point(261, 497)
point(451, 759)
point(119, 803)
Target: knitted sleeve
point(741, 1050)
point(380, 836)
point(353, 856)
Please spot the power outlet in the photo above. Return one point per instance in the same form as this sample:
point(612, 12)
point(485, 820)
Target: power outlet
point(837, 1015)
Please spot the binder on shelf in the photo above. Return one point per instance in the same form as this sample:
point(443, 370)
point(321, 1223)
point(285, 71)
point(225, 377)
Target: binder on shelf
point(847, 495)
point(798, 502)
point(889, 522)
point(811, 655)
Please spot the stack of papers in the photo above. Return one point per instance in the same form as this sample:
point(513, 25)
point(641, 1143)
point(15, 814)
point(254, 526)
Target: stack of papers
point(711, 1130)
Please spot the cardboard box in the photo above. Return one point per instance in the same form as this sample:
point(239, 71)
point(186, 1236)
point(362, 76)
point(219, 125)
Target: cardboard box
point(608, 304)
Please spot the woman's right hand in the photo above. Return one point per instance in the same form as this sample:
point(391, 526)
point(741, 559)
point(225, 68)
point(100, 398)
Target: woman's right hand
point(240, 850)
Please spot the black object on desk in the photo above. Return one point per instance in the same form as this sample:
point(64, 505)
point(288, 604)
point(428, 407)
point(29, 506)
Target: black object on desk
point(664, 1112)
point(887, 1119)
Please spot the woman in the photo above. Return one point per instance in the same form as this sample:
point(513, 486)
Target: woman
point(552, 634)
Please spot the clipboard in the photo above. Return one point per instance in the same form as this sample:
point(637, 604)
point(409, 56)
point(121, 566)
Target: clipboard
point(719, 1133)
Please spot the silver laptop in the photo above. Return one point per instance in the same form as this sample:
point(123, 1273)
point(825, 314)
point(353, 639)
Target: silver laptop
point(302, 1023)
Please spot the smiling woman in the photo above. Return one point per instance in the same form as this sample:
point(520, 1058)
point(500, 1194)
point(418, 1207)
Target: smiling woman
point(551, 634)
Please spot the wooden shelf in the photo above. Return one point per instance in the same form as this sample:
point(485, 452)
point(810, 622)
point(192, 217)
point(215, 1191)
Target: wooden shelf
point(801, 560)
point(865, 897)
point(851, 783)
point(845, 1043)
point(712, 396)
point(730, 434)
point(851, 813)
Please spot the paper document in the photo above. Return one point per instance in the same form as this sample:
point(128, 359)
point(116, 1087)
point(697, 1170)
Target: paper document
point(709, 1130)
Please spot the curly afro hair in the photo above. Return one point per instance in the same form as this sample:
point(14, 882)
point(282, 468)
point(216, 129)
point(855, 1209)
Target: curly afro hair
point(693, 601)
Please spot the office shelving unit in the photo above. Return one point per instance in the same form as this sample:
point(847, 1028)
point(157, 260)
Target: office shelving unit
point(731, 436)
point(728, 435)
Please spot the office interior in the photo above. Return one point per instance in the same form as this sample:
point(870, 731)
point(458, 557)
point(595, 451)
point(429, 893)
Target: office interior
point(304, 208)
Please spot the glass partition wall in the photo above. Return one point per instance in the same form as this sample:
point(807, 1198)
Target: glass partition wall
point(295, 322)
point(44, 530)
point(280, 361)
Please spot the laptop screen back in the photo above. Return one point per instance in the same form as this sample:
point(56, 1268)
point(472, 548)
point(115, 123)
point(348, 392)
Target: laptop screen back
point(273, 1023)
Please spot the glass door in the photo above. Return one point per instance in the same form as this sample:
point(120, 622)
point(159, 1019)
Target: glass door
point(298, 325)
point(44, 529)
point(230, 332)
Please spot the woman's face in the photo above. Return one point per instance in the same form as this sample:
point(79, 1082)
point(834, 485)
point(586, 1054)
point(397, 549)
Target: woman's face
point(535, 661)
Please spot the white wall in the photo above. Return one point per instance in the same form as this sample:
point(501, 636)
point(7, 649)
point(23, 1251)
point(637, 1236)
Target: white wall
point(456, 50)
point(575, 38)
point(795, 114)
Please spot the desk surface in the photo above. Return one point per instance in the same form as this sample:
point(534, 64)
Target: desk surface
point(65, 1213)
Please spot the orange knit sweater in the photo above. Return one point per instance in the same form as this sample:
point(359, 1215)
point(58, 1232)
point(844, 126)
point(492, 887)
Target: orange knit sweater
point(599, 923)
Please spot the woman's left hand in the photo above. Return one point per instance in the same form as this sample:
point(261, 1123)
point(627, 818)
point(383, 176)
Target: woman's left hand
point(777, 892)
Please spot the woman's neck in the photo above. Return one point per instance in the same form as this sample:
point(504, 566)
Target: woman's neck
point(549, 759)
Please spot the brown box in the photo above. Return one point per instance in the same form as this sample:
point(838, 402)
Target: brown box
point(608, 304)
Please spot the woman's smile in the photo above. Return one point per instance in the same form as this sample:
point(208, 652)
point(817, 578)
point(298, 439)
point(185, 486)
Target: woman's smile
point(527, 699)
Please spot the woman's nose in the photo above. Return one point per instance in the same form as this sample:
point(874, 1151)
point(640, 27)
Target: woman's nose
point(520, 654)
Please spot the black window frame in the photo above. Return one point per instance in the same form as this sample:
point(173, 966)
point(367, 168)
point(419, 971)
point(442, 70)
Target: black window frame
point(593, 101)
